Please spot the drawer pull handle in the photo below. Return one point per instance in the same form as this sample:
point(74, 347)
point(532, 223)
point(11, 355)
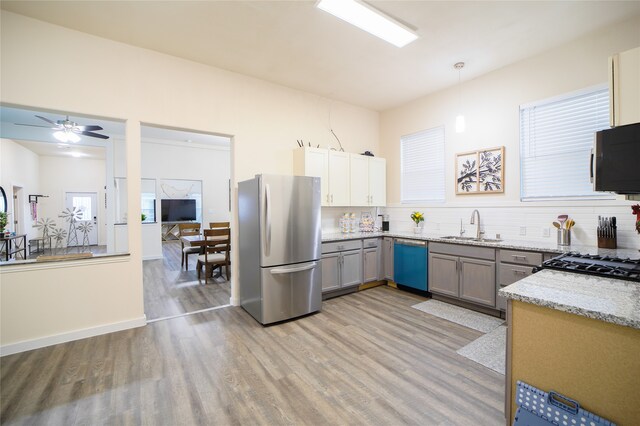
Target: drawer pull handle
point(519, 256)
point(517, 272)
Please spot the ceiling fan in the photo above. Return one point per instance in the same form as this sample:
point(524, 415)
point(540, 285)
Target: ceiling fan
point(67, 130)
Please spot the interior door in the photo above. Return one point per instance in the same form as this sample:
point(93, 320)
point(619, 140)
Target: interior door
point(87, 225)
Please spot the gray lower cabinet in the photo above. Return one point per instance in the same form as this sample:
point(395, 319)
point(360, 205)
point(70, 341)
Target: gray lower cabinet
point(515, 265)
point(371, 255)
point(387, 258)
point(464, 272)
point(341, 265)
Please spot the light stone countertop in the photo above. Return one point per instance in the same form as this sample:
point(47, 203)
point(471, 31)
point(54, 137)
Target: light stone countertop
point(540, 246)
point(606, 299)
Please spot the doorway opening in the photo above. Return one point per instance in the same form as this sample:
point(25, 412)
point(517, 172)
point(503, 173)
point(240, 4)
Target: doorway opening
point(185, 180)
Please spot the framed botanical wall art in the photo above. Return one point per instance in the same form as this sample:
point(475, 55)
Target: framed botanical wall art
point(480, 172)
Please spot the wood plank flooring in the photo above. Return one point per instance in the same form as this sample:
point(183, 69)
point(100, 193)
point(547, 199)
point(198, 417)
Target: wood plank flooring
point(170, 290)
point(367, 358)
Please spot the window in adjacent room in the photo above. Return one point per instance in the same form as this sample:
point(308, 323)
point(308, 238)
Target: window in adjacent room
point(422, 166)
point(556, 137)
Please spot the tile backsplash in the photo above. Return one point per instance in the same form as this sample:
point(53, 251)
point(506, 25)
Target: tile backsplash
point(531, 223)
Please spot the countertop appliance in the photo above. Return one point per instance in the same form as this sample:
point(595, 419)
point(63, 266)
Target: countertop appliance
point(593, 264)
point(410, 264)
point(614, 160)
point(279, 238)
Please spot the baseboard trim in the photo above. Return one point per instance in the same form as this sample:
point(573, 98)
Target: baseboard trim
point(28, 345)
point(152, 257)
point(234, 302)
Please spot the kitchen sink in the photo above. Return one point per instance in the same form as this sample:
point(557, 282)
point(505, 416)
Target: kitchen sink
point(483, 240)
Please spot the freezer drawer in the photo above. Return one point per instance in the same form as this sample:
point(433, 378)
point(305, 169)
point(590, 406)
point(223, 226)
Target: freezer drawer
point(290, 291)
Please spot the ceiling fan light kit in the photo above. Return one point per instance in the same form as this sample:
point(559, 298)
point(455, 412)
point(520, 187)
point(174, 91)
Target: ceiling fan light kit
point(67, 130)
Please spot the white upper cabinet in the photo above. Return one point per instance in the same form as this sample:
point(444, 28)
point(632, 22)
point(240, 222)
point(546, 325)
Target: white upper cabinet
point(347, 179)
point(624, 87)
point(332, 167)
point(368, 180)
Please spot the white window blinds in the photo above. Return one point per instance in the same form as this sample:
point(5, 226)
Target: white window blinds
point(556, 138)
point(422, 166)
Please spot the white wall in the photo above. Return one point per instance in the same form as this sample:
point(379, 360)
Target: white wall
point(19, 166)
point(138, 85)
point(490, 104)
point(59, 175)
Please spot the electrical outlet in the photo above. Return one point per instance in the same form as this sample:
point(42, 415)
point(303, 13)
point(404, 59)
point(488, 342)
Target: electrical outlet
point(523, 230)
point(545, 232)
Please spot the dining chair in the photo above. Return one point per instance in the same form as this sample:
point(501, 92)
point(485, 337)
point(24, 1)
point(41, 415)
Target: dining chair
point(185, 229)
point(216, 252)
point(214, 225)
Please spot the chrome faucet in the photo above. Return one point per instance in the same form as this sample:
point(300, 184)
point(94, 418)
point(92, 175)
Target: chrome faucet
point(472, 222)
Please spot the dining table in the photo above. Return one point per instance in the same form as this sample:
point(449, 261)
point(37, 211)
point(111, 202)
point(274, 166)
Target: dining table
point(198, 241)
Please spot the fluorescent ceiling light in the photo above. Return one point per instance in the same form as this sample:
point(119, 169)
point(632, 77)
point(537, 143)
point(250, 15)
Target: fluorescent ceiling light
point(367, 18)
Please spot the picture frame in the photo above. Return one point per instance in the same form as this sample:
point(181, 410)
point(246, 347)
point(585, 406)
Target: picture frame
point(480, 172)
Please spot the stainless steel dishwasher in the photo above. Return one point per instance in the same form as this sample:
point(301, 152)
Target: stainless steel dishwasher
point(410, 263)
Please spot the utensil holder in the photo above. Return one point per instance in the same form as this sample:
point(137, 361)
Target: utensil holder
point(564, 237)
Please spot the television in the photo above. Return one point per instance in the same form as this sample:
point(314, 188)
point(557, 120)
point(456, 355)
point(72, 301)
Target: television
point(178, 210)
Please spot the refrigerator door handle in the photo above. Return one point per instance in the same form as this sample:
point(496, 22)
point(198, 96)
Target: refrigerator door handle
point(267, 227)
point(301, 268)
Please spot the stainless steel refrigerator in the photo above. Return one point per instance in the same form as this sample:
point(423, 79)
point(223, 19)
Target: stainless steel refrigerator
point(279, 234)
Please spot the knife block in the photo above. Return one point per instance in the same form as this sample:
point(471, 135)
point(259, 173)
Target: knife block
point(608, 242)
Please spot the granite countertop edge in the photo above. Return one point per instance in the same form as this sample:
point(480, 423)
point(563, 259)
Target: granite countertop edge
point(572, 309)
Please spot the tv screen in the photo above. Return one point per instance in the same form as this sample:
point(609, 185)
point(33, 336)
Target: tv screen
point(178, 210)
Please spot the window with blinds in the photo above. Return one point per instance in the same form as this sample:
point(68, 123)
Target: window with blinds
point(556, 137)
point(422, 166)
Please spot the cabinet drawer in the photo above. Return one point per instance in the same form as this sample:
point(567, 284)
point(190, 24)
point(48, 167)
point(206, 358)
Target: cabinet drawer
point(371, 243)
point(521, 257)
point(341, 246)
point(476, 252)
point(509, 274)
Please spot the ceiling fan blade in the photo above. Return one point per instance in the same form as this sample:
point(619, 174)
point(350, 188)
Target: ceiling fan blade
point(47, 120)
point(31, 125)
point(88, 128)
point(94, 135)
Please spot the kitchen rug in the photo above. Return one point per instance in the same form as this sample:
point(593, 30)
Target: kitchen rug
point(488, 350)
point(462, 316)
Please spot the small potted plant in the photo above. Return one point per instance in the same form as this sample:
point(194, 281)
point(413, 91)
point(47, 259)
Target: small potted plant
point(3, 221)
point(418, 218)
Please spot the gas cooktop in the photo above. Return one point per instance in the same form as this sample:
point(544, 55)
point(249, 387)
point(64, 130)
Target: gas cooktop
point(593, 264)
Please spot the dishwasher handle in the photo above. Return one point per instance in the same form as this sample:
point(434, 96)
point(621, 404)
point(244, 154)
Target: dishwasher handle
point(415, 243)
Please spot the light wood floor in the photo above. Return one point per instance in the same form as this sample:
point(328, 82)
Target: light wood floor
point(170, 290)
point(367, 358)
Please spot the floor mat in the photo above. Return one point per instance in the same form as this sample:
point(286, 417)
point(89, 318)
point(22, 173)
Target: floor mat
point(488, 350)
point(462, 316)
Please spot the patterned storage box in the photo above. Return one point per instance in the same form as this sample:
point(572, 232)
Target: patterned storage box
point(538, 408)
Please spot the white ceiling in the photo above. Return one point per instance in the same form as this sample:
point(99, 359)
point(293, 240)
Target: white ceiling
point(297, 45)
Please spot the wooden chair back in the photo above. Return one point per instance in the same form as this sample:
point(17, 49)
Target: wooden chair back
point(188, 229)
point(217, 241)
point(214, 225)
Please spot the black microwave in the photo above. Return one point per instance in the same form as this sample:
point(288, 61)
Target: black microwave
point(615, 160)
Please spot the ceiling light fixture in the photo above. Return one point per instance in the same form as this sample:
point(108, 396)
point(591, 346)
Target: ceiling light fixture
point(369, 19)
point(460, 124)
point(76, 154)
point(66, 136)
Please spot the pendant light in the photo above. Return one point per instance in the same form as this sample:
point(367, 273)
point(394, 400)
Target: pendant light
point(460, 124)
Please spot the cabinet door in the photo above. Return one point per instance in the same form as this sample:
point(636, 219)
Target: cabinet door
point(478, 281)
point(443, 274)
point(351, 268)
point(330, 271)
point(377, 181)
point(317, 164)
point(339, 178)
point(359, 178)
point(624, 86)
point(370, 267)
point(387, 258)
